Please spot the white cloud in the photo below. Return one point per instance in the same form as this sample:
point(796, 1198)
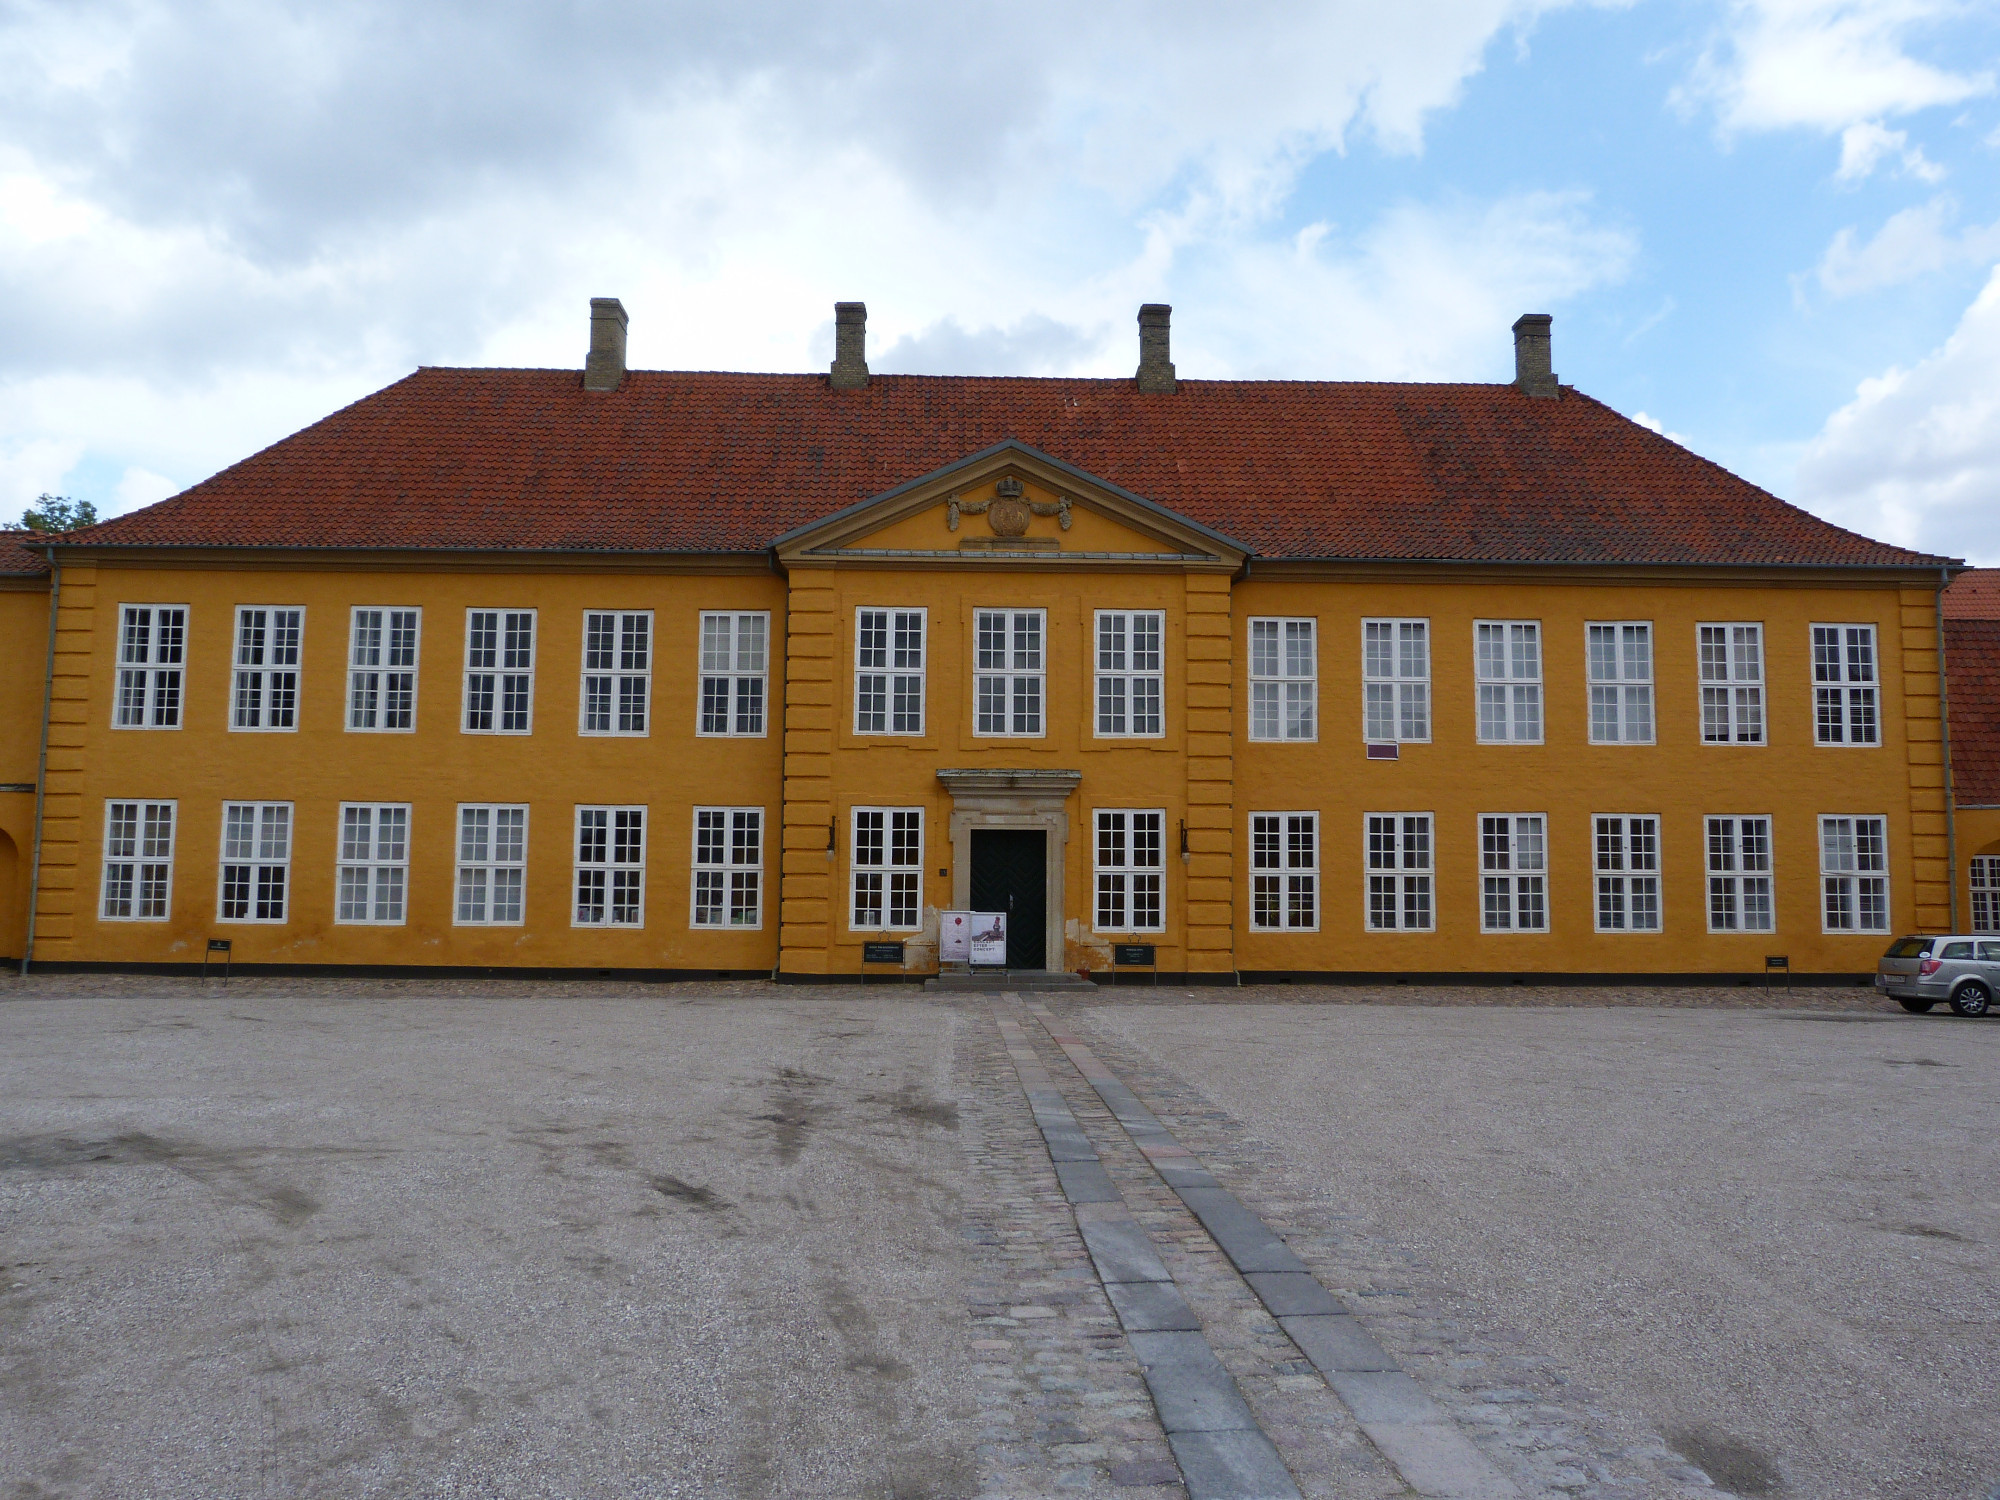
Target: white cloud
point(1653, 424)
point(1915, 242)
point(1036, 345)
point(1865, 146)
point(189, 271)
point(31, 466)
point(1915, 456)
point(1427, 292)
point(1825, 64)
point(137, 487)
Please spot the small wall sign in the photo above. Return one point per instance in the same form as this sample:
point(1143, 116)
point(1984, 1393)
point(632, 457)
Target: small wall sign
point(881, 953)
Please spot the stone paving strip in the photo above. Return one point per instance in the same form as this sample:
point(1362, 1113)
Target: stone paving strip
point(1411, 1430)
point(1223, 1454)
point(1548, 1430)
point(1063, 1407)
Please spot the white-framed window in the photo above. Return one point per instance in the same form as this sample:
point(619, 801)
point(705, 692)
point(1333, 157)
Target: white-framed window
point(255, 878)
point(1513, 872)
point(1396, 681)
point(152, 655)
point(1131, 871)
point(887, 869)
point(1284, 679)
point(374, 863)
point(492, 864)
point(499, 671)
point(889, 671)
point(1619, 655)
point(1398, 856)
point(138, 862)
point(1985, 875)
point(610, 867)
point(728, 867)
point(1507, 659)
point(735, 660)
point(382, 670)
point(1009, 662)
point(266, 690)
point(1854, 874)
point(1284, 871)
point(1739, 876)
point(1846, 686)
point(617, 671)
point(1130, 673)
point(1627, 854)
point(1732, 684)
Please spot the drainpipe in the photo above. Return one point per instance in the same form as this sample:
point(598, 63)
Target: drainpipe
point(42, 766)
point(1944, 723)
point(785, 629)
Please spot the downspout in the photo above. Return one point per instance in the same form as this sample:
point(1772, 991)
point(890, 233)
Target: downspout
point(42, 765)
point(1944, 722)
point(784, 693)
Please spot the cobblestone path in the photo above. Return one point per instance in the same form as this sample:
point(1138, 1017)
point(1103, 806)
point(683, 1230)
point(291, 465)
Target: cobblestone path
point(1065, 1403)
point(1549, 1435)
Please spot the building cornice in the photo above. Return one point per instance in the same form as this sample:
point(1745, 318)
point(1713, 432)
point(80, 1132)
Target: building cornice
point(416, 560)
point(1708, 575)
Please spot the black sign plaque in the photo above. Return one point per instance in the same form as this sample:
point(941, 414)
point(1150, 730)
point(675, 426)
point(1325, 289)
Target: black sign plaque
point(1132, 955)
point(881, 953)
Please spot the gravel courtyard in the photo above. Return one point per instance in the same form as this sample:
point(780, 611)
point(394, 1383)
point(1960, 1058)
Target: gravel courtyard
point(741, 1240)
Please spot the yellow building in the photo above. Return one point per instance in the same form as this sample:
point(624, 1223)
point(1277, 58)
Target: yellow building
point(1972, 679)
point(670, 673)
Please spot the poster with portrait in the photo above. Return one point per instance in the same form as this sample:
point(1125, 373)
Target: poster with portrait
point(989, 938)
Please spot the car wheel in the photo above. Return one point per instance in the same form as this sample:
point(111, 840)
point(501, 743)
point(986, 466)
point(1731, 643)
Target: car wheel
point(1917, 1007)
point(1971, 999)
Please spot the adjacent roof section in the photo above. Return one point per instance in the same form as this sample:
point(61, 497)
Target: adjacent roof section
point(1974, 595)
point(1972, 675)
point(15, 559)
point(455, 458)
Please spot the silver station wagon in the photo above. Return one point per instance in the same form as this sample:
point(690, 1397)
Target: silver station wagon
point(1961, 971)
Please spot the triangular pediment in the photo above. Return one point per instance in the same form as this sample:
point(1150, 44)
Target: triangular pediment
point(1010, 505)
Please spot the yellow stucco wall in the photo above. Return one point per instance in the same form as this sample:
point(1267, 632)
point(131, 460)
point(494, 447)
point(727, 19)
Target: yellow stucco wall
point(811, 768)
point(434, 769)
point(1978, 833)
point(24, 628)
point(1678, 777)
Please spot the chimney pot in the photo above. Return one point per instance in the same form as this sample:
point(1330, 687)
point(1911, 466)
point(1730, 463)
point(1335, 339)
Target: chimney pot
point(850, 347)
point(1534, 374)
point(1156, 368)
point(604, 369)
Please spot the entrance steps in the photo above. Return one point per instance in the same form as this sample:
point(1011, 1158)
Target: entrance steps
point(993, 981)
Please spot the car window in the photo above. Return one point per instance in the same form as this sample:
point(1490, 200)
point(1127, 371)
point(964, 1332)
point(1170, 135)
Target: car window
point(1990, 952)
point(1956, 950)
point(1913, 947)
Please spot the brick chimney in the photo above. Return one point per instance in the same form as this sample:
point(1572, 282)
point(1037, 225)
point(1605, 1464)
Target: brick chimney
point(1533, 372)
point(850, 347)
point(1156, 368)
point(604, 369)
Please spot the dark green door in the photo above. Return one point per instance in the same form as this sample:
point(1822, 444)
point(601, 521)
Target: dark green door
point(1008, 868)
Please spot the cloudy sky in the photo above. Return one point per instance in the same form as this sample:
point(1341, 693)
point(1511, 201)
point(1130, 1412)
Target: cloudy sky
point(1769, 228)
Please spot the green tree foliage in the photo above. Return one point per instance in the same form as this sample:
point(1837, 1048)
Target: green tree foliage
point(59, 513)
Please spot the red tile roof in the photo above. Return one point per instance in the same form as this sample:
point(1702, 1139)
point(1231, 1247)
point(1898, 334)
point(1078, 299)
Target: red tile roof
point(16, 559)
point(1972, 675)
point(474, 458)
point(1974, 595)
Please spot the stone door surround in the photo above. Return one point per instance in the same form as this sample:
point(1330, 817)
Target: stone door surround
point(1009, 798)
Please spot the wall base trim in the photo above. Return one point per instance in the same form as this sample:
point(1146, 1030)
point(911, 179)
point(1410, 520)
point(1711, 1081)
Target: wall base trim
point(390, 971)
point(1504, 978)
